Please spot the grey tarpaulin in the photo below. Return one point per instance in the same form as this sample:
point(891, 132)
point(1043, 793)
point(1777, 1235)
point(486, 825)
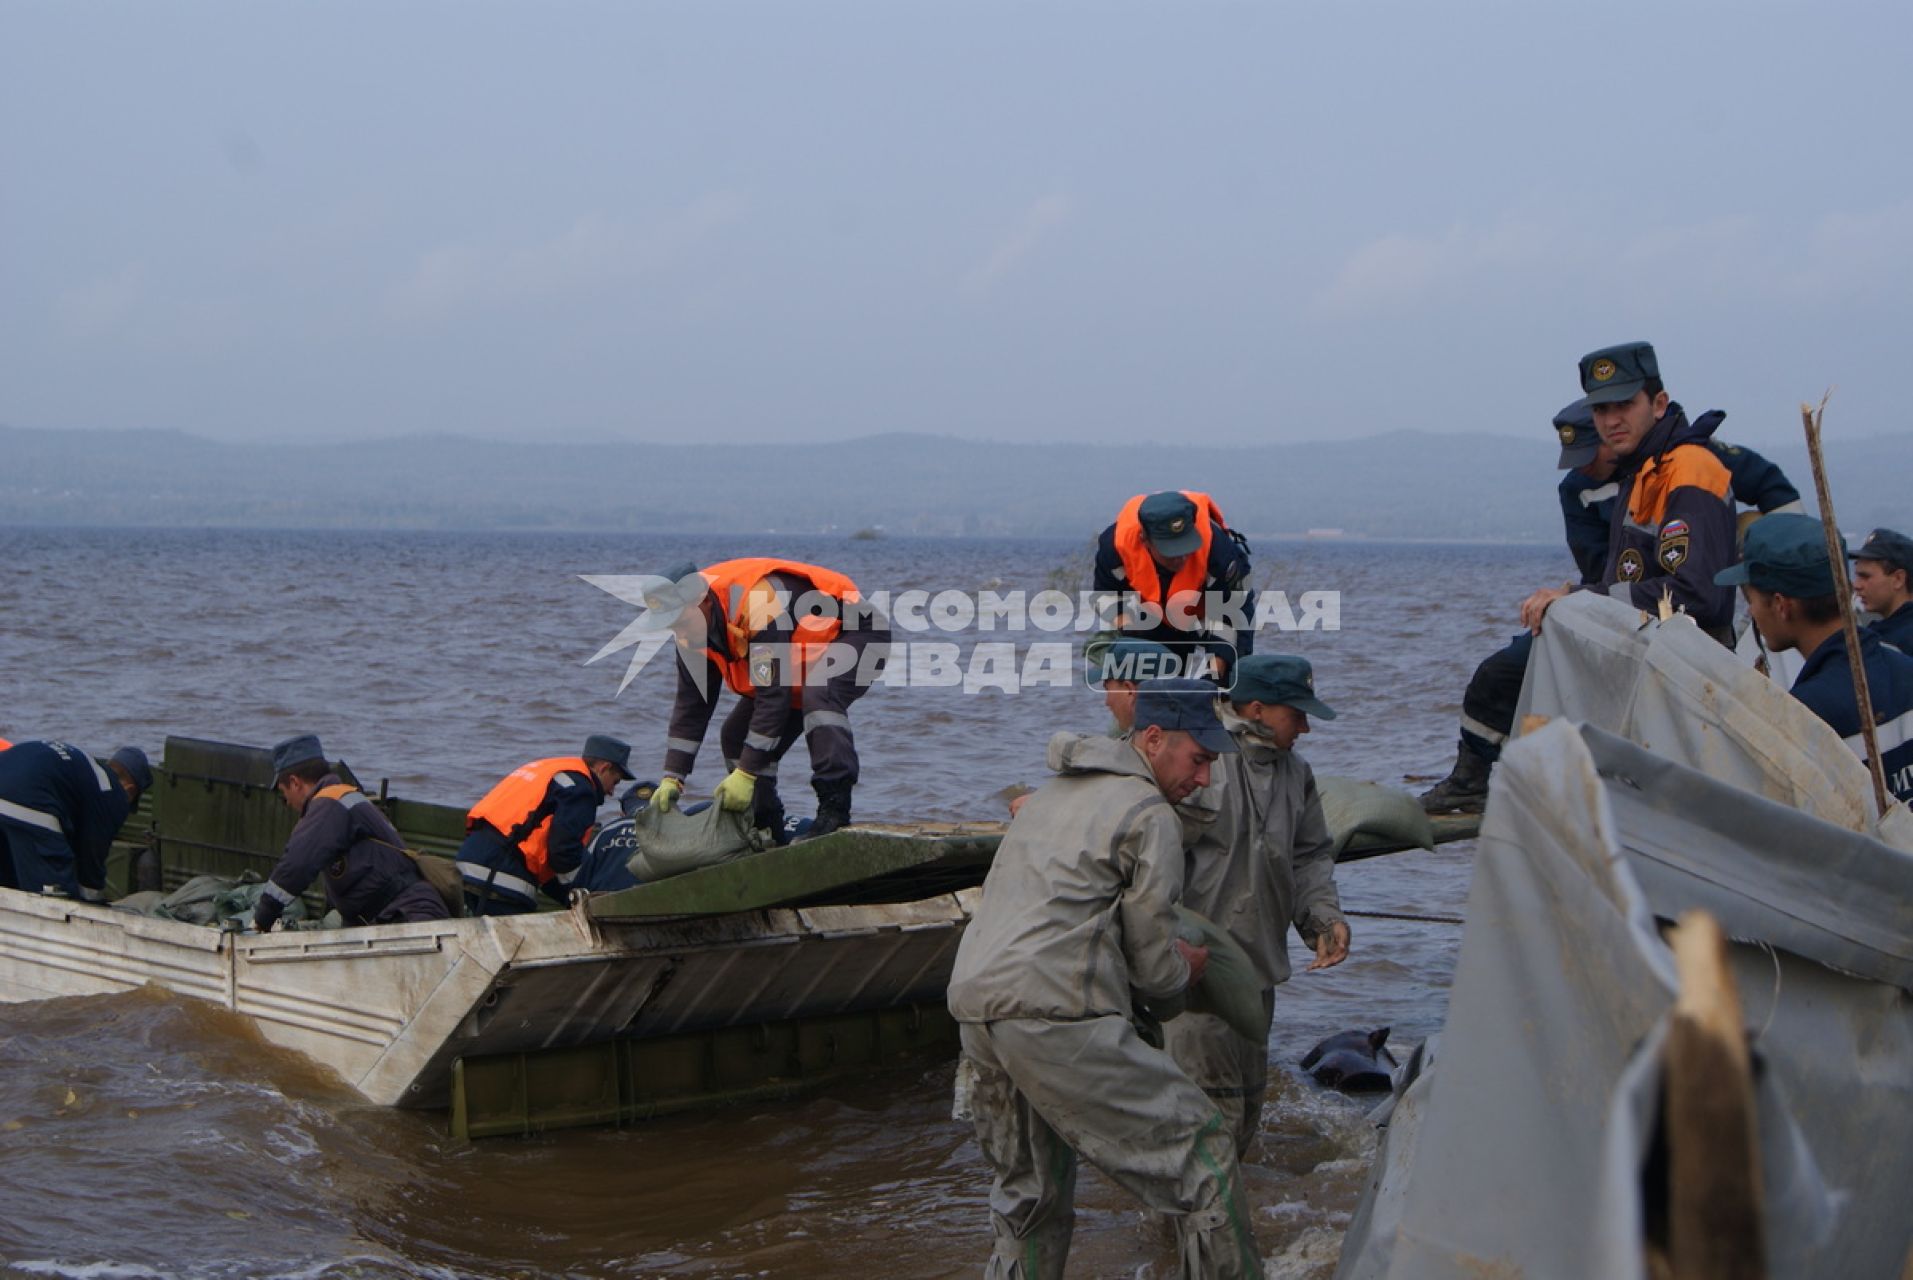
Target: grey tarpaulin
point(1519, 1153)
point(1669, 687)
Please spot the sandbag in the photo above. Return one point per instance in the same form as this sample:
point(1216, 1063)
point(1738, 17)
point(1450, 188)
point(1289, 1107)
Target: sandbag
point(1353, 808)
point(1230, 987)
point(443, 875)
point(669, 844)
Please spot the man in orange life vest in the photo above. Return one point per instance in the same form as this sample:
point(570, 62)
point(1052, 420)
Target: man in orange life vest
point(530, 831)
point(342, 839)
point(1175, 555)
point(797, 644)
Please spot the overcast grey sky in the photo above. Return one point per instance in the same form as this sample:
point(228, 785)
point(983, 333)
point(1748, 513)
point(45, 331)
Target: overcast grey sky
point(1031, 221)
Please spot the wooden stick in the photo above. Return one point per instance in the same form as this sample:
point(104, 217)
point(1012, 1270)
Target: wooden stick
point(1715, 1210)
point(1843, 588)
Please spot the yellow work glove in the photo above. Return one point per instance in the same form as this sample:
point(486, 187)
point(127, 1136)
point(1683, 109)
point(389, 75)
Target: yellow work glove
point(736, 791)
point(665, 798)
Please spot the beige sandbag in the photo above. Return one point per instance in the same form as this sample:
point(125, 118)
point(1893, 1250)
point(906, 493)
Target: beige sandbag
point(1230, 987)
point(671, 843)
point(1353, 808)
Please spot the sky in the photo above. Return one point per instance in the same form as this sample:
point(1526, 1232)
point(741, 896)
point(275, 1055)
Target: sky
point(1062, 222)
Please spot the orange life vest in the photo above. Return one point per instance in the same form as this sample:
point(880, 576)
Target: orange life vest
point(735, 585)
point(516, 808)
point(1132, 544)
point(4, 744)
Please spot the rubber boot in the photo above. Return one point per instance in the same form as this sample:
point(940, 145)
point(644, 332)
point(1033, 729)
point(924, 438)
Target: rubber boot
point(833, 810)
point(1464, 790)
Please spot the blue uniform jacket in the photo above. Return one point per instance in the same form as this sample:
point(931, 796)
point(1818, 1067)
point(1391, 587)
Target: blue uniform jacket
point(1228, 573)
point(1826, 686)
point(1896, 629)
point(369, 878)
point(61, 795)
point(1587, 505)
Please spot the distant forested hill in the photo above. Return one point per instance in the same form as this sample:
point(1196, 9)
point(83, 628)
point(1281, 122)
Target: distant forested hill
point(1399, 485)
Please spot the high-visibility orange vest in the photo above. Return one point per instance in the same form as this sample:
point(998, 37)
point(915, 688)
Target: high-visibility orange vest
point(516, 808)
point(1132, 544)
point(732, 584)
point(4, 744)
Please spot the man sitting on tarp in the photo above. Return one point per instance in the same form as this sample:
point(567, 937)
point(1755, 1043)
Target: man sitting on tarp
point(343, 838)
point(1262, 860)
point(1671, 527)
point(59, 812)
point(1881, 569)
point(1787, 578)
point(1077, 924)
point(528, 835)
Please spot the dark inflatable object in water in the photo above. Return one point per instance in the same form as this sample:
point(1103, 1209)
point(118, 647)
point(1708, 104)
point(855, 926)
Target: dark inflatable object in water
point(1353, 1061)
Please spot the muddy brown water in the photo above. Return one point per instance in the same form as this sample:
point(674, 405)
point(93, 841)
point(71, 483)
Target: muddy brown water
point(142, 1135)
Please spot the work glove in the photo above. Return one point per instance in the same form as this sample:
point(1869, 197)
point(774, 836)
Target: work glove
point(665, 798)
point(736, 792)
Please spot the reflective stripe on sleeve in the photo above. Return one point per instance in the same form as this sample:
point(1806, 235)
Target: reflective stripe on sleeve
point(689, 745)
point(764, 741)
point(815, 720)
point(277, 894)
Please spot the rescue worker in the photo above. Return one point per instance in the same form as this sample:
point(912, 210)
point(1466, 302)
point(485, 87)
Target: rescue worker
point(1588, 488)
point(1075, 935)
point(1171, 554)
point(528, 835)
point(1671, 526)
point(1261, 862)
point(59, 812)
point(342, 839)
point(798, 645)
point(1880, 578)
point(1118, 665)
point(1787, 578)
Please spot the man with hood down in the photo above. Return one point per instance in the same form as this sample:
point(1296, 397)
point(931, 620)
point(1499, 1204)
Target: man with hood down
point(1076, 935)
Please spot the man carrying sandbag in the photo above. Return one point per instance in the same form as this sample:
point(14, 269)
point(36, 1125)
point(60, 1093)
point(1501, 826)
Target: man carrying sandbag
point(1076, 929)
point(1261, 859)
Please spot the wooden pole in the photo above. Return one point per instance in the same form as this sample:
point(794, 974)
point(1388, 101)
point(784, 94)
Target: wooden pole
point(1843, 588)
point(1715, 1216)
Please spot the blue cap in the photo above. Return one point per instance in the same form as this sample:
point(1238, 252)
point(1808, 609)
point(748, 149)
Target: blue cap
point(1169, 523)
point(1614, 374)
point(1785, 553)
point(1574, 426)
point(1186, 706)
point(133, 760)
point(600, 746)
point(294, 752)
point(1128, 658)
point(1894, 550)
point(1281, 680)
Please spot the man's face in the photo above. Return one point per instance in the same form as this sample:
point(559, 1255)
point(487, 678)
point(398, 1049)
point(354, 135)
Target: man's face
point(1120, 697)
point(295, 792)
point(1770, 617)
point(1623, 426)
point(1605, 460)
point(1179, 762)
point(1282, 724)
point(607, 775)
point(1880, 589)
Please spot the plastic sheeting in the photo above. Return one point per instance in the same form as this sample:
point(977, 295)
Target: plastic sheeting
point(1520, 1153)
point(1671, 688)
